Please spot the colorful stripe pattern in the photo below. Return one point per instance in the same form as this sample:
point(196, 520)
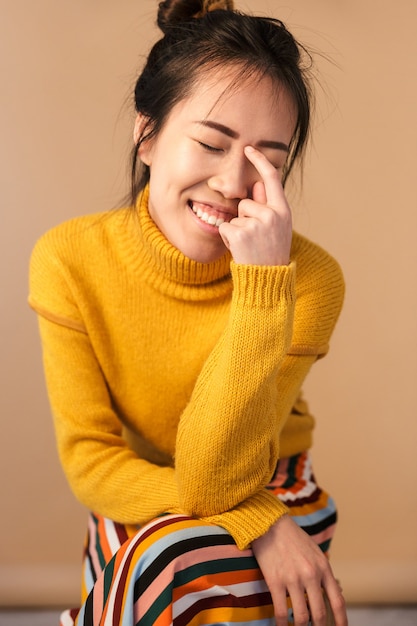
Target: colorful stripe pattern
point(180, 571)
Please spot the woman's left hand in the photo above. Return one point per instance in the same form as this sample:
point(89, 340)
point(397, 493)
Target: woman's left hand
point(261, 234)
point(291, 562)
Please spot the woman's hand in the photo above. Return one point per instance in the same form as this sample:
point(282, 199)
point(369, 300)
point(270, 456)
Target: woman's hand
point(261, 233)
point(291, 562)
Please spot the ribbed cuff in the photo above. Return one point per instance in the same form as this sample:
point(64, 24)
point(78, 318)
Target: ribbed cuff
point(263, 285)
point(252, 518)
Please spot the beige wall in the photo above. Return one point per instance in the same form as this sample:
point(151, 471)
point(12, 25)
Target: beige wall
point(66, 69)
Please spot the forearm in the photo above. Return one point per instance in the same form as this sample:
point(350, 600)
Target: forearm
point(252, 517)
point(227, 443)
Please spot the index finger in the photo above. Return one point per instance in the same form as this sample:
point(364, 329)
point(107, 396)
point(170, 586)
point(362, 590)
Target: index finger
point(270, 175)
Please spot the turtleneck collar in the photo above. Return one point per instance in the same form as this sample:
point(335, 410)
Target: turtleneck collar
point(170, 271)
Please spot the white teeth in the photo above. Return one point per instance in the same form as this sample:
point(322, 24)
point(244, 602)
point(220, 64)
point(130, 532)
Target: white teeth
point(205, 217)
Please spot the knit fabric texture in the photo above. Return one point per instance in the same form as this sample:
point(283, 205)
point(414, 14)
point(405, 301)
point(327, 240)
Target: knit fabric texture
point(175, 385)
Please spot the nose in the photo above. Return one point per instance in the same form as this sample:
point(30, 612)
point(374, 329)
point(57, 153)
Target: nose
point(234, 178)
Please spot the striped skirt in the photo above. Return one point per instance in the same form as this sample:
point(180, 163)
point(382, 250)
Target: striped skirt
point(179, 570)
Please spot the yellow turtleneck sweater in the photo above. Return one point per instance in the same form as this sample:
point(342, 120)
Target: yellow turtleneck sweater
point(175, 385)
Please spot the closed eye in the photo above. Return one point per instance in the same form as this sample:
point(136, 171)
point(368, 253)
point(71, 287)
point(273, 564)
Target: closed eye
point(209, 148)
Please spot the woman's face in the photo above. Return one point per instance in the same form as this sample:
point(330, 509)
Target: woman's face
point(198, 169)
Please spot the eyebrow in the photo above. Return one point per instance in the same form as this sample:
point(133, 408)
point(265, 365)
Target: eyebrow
point(263, 143)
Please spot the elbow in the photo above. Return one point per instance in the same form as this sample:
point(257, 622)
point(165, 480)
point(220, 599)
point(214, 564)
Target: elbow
point(208, 496)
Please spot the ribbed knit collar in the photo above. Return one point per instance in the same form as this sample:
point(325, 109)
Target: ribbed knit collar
point(170, 271)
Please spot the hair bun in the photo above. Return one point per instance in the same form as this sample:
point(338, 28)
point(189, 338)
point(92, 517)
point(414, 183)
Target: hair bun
point(172, 12)
point(214, 5)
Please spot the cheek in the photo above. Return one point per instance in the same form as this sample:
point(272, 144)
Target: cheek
point(177, 163)
point(191, 164)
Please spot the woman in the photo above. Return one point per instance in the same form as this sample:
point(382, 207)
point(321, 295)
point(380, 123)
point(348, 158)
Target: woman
point(177, 334)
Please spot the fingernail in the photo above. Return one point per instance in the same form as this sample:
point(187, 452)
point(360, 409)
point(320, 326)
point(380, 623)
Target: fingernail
point(249, 149)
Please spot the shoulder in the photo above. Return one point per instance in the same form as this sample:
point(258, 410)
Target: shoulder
point(316, 268)
point(320, 290)
point(74, 233)
point(68, 256)
point(80, 242)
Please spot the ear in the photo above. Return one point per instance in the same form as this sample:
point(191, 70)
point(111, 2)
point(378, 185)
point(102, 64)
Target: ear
point(144, 149)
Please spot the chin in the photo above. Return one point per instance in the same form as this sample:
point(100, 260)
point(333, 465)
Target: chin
point(204, 248)
point(205, 256)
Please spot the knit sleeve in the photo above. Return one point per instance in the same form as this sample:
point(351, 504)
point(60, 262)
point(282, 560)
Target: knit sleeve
point(104, 473)
point(228, 437)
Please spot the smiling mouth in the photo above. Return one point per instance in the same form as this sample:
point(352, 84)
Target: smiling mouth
point(208, 214)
